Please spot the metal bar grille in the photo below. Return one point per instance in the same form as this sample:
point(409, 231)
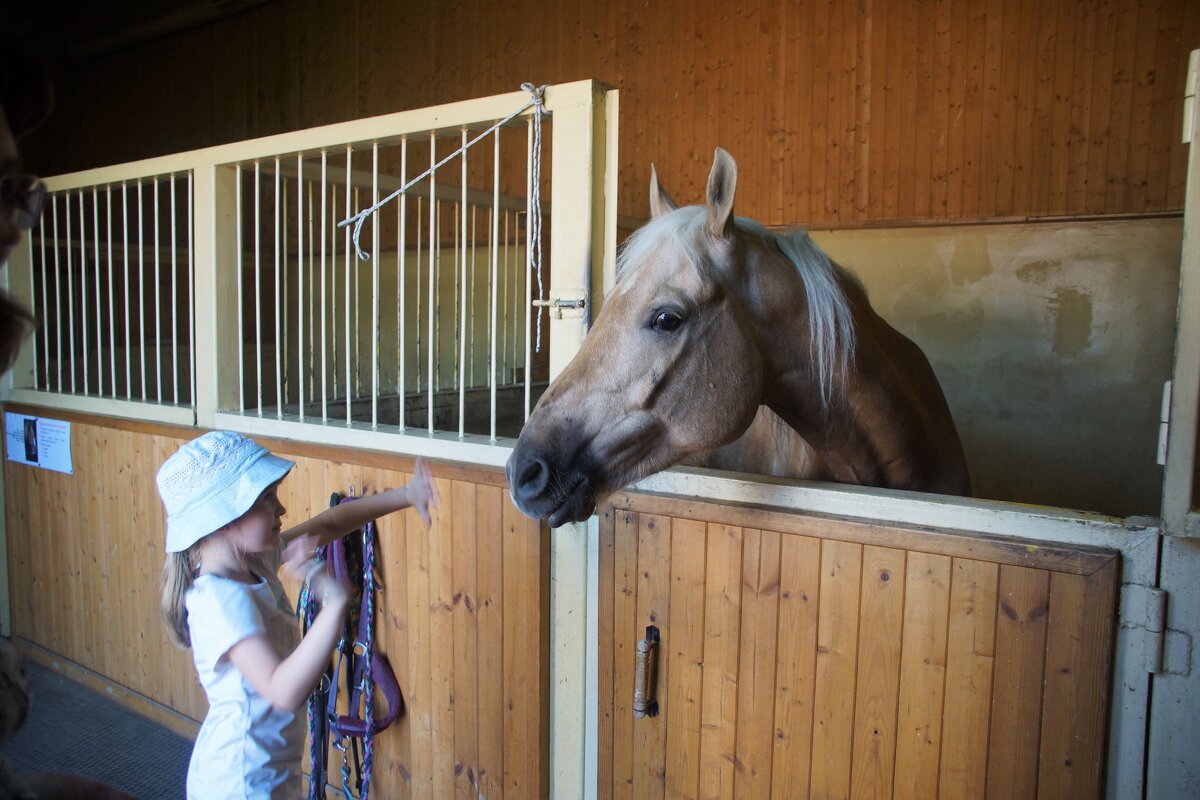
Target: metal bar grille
point(112, 294)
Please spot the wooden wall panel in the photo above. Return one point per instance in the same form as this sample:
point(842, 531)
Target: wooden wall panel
point(839, 659)
point(463, 616)
point(838, 111)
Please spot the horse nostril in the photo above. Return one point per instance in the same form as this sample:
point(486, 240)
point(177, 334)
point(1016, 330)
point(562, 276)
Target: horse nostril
point(534, 475)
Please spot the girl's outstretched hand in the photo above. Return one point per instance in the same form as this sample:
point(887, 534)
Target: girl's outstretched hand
point(422, 492)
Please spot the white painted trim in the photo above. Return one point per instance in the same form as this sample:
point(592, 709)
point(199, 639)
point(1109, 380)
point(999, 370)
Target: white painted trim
point(470, 449)
point(87, 404)
point(591, 733)
point(906, 508)
point(384, 129)
point(1178, 498)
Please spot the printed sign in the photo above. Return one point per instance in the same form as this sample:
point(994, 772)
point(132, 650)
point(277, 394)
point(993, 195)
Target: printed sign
point(39, 442)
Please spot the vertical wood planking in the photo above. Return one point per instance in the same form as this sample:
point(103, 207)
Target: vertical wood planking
point(606, 669)
point(393, 760)
point(837, 654)
point(653, 599)
point(970, 643)
point(722, 616)
point(683, 645)
point(795, 674)
point(1074, 716)
point(756, 670)
point(420, 697)
point(625, 636)
point(489, 527)
point(441, 643)
point(464, 597)
point(881, 615)
point(1022, 604)
point(922, 675)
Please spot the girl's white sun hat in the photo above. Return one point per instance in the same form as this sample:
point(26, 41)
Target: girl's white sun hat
point(211, 481)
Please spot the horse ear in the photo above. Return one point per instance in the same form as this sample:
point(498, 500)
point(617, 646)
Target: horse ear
point(722, 182)
point(660, 202)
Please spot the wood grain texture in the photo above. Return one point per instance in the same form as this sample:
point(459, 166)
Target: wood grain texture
point(85, 557)
point(806, 662)
point(838, 111)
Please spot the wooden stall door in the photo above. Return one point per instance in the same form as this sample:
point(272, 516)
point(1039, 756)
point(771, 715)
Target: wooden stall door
point(811, 657)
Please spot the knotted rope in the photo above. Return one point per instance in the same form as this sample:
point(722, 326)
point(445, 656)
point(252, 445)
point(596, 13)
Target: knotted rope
point(537, 101)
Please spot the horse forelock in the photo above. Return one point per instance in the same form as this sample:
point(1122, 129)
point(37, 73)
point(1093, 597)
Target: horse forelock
point(830, 320)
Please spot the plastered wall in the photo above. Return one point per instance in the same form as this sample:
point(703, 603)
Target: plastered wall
point(1051, 340)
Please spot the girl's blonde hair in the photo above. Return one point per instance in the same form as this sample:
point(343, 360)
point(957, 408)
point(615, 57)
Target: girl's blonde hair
point(178, 575)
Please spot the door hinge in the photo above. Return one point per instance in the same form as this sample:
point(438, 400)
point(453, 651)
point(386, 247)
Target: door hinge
point(1144, 613)
point(1164, 423)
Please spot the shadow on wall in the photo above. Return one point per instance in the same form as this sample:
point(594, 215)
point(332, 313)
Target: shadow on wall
point(1051, 340)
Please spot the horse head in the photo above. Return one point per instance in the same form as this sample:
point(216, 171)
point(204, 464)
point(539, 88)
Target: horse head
point(670, 367)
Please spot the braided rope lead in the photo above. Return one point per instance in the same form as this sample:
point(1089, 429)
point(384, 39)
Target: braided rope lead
point(368, 653)
point(536, 101)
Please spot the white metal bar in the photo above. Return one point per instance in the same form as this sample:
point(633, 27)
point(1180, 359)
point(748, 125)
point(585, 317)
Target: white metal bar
point(417, 286)
point(128, 333)
point(346, 299)
point(112, 311)
point(494, 285)
point(239, 228)
point(333, 301)
point(58, 339)
point(142, 281)
point(525, 313)
point(356, 294)
point(70, 296)
point(324, 314)
point(191, 259)
point(375, 288)
point(471, 293)
point(258, 345)
point(434, 247)
point(99, 306)
point(462, 335)
point(278, 301)
point(311, 298)
point(507, 328)
point(283, 367)
point(402, 280)
point(83, 305)
point(34, 337)
point(157, 297)
point(45, 305)
point(300, 299)
point(174, 299)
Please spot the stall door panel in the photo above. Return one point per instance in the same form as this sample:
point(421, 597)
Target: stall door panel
point(803, 657)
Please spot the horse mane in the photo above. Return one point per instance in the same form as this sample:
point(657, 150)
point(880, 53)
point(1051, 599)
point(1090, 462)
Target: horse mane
point(830, 320)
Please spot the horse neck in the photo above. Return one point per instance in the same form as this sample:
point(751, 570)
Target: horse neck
point(880, 420)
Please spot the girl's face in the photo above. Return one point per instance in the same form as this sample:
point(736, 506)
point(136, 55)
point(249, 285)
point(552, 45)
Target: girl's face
point(257, 530)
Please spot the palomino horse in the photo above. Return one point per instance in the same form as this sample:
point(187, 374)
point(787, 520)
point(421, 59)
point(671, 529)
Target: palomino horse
point(712, 317)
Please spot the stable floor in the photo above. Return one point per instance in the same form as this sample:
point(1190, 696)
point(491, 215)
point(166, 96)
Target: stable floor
point(74, 730)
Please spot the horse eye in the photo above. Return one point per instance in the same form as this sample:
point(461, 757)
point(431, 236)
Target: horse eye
point(666, 321)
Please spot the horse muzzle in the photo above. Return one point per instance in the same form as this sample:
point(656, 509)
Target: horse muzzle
point(542, 491)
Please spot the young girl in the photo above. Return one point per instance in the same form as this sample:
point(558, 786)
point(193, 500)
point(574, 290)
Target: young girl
point(221, 597)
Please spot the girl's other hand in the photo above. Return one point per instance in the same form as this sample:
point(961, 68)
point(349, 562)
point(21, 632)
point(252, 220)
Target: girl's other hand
point(300, 550)
point(328, 590)
point(422, 492)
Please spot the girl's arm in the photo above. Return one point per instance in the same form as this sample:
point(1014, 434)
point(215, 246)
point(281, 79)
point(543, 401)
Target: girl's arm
point(286, 683)
point(421, 493)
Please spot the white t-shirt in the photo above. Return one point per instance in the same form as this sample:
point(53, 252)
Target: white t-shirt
point(246, 748)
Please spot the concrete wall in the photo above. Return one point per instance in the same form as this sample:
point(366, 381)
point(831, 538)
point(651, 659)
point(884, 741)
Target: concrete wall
point(1051, 340)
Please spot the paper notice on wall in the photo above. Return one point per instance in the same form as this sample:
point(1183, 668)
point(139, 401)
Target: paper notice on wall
point(39, 442)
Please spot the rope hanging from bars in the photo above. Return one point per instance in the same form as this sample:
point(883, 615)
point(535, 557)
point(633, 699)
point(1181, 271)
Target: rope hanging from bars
point(536, 101)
